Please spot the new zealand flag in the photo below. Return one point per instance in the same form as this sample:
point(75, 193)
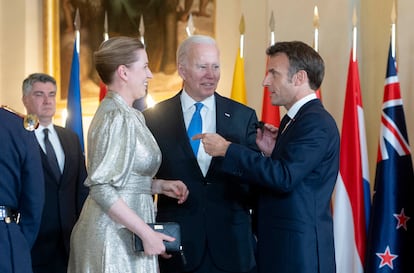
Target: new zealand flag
point(390, 237)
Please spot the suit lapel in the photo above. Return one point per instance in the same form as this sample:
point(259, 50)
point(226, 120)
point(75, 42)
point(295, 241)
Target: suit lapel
point(302, 111)
point(223, 115)
point(178, 126)
point(223, 122)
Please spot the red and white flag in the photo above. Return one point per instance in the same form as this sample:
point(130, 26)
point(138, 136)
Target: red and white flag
point(351, 201)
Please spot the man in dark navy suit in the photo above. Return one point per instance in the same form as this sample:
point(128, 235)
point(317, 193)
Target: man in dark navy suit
point(64, 177)
point(296, 172)
point(21, 193)
point(215, 220)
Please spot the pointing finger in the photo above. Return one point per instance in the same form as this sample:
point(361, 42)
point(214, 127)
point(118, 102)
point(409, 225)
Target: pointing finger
point(197, 136)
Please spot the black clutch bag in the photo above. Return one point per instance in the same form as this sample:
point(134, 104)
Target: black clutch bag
point(169, 228)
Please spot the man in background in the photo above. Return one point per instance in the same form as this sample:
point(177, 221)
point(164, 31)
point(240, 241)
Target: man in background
point(64, 171)
point(216, 224)
point(21, 193)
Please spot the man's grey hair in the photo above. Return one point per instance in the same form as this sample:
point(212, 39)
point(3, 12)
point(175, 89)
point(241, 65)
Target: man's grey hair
point(185, 46)
point(34, 78)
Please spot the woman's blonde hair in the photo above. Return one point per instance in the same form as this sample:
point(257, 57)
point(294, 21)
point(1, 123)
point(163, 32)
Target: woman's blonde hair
point(114, 52)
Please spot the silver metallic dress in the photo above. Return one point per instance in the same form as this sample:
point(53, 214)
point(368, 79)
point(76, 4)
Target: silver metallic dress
point(123, 156)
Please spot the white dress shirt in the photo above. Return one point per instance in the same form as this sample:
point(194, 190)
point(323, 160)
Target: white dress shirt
point(208, 115)
point(54, 139)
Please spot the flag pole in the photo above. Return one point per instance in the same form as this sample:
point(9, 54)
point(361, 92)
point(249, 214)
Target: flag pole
point(141, 29)
point(190, 26)
point(77, 30)
point(354, 35)
point(316, 40)
point(105, 34)
point(242, 30)
point(272, 28)
point(393, 19)
point(316, 28)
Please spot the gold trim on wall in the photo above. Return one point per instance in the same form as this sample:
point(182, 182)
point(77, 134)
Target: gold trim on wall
point(51, 40)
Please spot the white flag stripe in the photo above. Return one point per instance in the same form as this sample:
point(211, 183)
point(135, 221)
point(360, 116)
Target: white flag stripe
point(391, 80)
point(392, 103)
point(382, 147)
point(397, 129)
point(344, 232)
point(363, 143)
point(391, 139)
point(396, 138)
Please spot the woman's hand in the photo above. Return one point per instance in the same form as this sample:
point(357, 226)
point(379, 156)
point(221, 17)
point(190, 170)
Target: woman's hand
point(171, 188)
point(153, 243)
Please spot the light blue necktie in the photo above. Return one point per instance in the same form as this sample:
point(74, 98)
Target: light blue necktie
point(195, 127)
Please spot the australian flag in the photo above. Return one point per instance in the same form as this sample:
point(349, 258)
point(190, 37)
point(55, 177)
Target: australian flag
point(390, 237)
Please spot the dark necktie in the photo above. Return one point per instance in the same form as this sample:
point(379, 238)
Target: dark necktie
point(195, 127)
point(286, 120)
point(51, 155)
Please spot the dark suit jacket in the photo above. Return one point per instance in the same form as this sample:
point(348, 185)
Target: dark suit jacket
point(21, 188)
point(216, 213)
point(295, 232)
point(63, 203)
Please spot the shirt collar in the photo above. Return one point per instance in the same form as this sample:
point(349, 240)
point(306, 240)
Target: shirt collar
point(297, 105)
point(39, 131)
point(187, 102)
point(50, 127)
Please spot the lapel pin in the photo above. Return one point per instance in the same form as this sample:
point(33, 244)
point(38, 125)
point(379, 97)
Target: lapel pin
point(227, 115)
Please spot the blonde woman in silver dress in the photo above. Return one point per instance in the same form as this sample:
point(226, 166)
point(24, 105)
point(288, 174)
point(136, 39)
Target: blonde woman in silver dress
point(123, 157)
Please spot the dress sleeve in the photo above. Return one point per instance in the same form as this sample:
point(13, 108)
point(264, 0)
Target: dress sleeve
point(111, 150)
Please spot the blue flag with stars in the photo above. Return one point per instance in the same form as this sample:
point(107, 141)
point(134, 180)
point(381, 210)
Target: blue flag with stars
point(390, 237)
